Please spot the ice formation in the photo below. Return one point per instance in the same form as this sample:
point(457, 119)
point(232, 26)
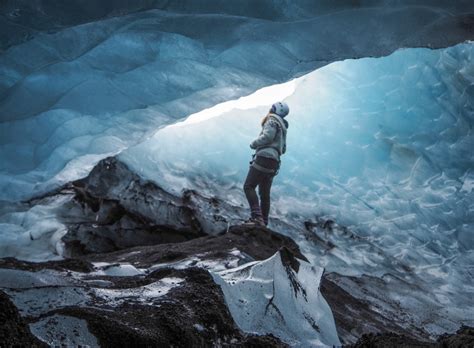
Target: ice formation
point(32, 232)
point(272, 297)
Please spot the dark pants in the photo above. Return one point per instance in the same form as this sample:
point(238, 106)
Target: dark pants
point(264, 182)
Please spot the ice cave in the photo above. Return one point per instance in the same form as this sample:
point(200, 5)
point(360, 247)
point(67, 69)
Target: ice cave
point(124, 145)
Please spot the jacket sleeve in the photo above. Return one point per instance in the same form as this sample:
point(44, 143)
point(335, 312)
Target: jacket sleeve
point(267, 135)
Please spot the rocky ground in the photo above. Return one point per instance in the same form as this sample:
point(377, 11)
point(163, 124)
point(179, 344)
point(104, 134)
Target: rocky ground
point(143, 268)
point(14, 330)
point(464, 337)
point(114, 298)
point(126, 301)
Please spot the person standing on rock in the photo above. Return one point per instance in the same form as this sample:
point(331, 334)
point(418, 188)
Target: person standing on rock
point(269, 146)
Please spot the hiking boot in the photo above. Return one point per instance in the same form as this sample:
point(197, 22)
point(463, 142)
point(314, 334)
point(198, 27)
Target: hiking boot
point(254, 222)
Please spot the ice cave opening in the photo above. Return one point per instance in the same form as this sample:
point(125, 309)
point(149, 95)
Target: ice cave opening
point(383, 146)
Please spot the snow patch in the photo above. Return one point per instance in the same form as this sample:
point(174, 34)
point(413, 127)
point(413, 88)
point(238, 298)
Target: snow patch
point(145, 294)
point(117, 270)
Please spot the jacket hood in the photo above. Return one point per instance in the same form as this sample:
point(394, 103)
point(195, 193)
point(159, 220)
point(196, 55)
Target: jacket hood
point(281, 119)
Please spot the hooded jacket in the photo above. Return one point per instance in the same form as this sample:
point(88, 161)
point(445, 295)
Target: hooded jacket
point(271, 142)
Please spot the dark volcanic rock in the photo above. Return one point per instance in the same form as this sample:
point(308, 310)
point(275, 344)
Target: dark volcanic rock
point(194, 314)
point(354, 316)
point(14, 331)
point(258, 243)
point(463, 338)
point(363, 304)
point(389, 340)
point(86, 239)
point(76, 265)
point(113, 209)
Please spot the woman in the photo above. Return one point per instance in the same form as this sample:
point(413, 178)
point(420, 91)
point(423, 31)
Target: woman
point(269, 146)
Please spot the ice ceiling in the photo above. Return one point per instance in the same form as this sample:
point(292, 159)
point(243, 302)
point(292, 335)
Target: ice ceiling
point(78, 83)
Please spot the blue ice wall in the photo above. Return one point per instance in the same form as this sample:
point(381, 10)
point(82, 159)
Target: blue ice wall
point(384, 146)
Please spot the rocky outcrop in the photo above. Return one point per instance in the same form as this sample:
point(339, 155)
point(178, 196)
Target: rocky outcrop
point(146, 261)
point(355, 317)
point(252, 243)
point(164, 293)
point(151, 295)
point(193, 314)
point(463, 338)
point(113, 208)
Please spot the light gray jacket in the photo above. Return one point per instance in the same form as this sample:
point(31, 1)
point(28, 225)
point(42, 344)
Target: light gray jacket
point(271, 141)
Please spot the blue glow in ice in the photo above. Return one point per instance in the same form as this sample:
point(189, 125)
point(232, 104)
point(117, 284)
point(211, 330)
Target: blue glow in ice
point(383, 146)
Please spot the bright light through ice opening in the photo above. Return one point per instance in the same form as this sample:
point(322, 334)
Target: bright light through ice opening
point(264, 96)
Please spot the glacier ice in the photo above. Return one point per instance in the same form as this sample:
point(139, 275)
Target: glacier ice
point(270, 296)
point(84, 97)
point(383, 146)
point(32, 232)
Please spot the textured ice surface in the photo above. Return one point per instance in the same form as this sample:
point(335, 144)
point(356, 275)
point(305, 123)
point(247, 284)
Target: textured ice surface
point(85, 96)
point(16, 279)
point(37, 301)
point(382, 146)
point(32, 232)
point(270, 297)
